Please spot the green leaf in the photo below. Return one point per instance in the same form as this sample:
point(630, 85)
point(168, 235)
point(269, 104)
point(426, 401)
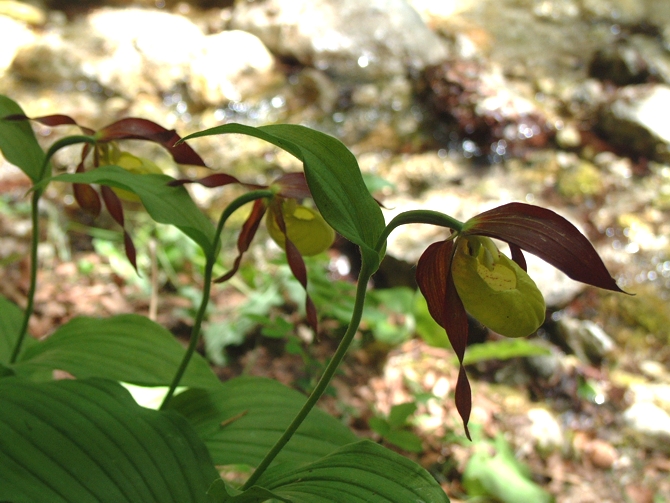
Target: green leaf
point(10, 326)
point(400, 413)
point(241, 419)
point(362, 472)
point(500, 475)
point(405, 440)
point(227, 494)
point(129, 348)
point(165, 204)
point(88, 441)
point(379, 425)
point(333, 176)
point(502, 350)
point(18, 142)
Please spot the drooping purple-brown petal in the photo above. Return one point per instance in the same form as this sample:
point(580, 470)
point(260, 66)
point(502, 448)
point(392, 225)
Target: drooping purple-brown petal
point(247, 234)
point(133, 128)
point(131, 253)
point(433, 275)
point(87, 198)
point(295, 261)
point(299, 270)
point(517, 256)
point(293, 186)
point(549, 236)
point(113, 205)
point(52, 121)
point(211, 181)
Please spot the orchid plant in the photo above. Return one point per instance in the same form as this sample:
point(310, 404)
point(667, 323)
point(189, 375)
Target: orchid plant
point(88, 440)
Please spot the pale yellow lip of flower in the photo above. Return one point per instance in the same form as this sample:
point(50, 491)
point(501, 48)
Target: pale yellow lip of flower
point(132, 164)
point(494, 289)
point(305, 227)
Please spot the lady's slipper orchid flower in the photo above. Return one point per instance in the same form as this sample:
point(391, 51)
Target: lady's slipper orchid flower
point(102, 143)
point(132, 164)
point(303, 226)
point(494, 289)
point(298, 229)
point(466, 272)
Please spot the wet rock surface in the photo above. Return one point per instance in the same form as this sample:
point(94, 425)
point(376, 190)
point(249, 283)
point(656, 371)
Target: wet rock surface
point(361, 41)
point(457, 107)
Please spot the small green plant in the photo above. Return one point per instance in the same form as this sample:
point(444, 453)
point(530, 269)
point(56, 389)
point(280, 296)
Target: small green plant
point(395, 429)
point(494, 472)
point(87, 440)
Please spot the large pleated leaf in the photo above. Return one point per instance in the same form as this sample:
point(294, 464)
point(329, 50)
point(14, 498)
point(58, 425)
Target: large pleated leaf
point(241, 419)
point(88, 441)
point(333, 176)
point(129, 348)
point(10, 325)
point(166, 204)
point(362, 472)
point(18, 143)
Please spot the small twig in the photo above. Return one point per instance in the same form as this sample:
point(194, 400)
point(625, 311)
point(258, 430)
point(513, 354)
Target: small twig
point(234, 418)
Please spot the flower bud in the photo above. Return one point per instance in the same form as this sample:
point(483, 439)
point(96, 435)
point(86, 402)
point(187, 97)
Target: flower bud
point(494, 289)
point(305, 227)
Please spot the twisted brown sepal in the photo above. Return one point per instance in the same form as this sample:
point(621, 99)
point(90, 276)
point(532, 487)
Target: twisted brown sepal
point(549, 236)
point(295, 262)
point(433, 275)
point(210, 181)
point(86, 196)
point(133, 128)
point(247, 234)
point(52, 121)
point(115, 209)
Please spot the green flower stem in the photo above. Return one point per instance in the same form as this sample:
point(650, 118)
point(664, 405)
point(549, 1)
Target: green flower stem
point(363, 278)
point(419, 217)
point(207, 288)
point(38, 189)
point(34, 215)
point(62, 143)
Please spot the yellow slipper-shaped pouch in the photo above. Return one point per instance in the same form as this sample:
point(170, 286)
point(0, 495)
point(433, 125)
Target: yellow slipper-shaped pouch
point(305, 227)
point(494, 289)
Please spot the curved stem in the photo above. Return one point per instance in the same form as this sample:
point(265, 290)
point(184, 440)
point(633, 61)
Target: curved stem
point(38, 189)
point(207, 288)
point(418, 217)
point(321, 386)
point(34, 215)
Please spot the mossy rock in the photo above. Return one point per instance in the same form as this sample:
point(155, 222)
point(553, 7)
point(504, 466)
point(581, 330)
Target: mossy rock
point(646, 310)
point(580, 181)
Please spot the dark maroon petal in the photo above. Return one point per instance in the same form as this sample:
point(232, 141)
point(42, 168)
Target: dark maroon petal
point(84, 153)
point(133, 128)
point(52, 121)
point(463, 399)
point(113, 204)
point(295, 262)
point(217, 180)
point(247, 234)
point(549, 236)
point(433, 275)
point(517, 256)
point(297, 265)
point(293, 186)
point(131, 253)
point(87, 198)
